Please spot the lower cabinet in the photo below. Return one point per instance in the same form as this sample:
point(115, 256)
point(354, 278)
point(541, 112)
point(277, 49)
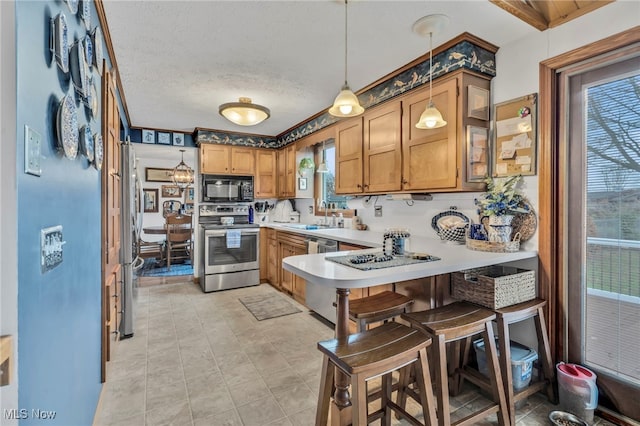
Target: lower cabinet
point(273, 259)
point(291, 245)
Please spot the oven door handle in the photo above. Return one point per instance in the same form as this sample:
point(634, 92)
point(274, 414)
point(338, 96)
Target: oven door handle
point(217, 232)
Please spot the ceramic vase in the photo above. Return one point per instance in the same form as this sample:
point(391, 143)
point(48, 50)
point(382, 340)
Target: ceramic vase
point(500, 228)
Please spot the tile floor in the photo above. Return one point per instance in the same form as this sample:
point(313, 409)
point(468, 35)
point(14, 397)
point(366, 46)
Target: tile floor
point(203, 359)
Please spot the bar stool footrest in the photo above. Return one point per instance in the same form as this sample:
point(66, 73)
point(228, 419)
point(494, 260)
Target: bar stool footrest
point(476, 417)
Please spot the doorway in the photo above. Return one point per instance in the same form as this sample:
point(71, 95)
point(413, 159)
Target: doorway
point(590, 250)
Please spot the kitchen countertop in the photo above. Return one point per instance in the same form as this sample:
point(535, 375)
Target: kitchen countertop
point(454, 257)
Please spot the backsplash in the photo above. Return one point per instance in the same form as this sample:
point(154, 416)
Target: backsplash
point(417, 217)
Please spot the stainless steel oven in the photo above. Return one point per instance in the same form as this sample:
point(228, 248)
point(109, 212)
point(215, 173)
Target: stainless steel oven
point(230, 252)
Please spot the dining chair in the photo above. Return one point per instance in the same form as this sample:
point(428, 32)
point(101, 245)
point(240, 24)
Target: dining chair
point(179, 238)
point(149, 249)
point(170, 207)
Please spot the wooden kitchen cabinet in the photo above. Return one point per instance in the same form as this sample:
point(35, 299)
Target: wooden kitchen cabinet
point(430, 156)
point(226, 159)
point(266, 177)
point(383, 152)
point(349, 156)
point(273, 259)
point(381, 148)
point(291, 244)
point(264, 260)
point(287, 169)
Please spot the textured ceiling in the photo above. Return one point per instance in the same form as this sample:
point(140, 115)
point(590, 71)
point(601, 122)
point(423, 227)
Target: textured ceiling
point(179, 60)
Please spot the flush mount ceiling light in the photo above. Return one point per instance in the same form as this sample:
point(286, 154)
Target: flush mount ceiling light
point(182, 175)
point(244, 113)
point(346, 103)
point(431, 118)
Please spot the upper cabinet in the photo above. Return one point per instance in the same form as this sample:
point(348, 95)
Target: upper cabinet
point(287, 171)
point(430, 156)
point(266, 174)
point(225, 159)
point(382, 151)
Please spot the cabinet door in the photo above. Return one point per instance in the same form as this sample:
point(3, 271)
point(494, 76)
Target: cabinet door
point(299, 284)
point(291, 168)
point(215, 159)
point(282, 173)
point(266, 176)
point(286, 277)
point(273, 261)
point(349, 157)
point(243, 161)
point(264, 261)
point(430, 155)
point(382, 151)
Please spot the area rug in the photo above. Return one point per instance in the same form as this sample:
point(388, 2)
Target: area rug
point(265, 306)
point(152, 268)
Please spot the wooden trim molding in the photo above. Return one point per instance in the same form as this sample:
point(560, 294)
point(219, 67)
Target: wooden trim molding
point(552, 167)
point(112, 55)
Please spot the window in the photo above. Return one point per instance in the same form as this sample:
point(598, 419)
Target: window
point(326, 182)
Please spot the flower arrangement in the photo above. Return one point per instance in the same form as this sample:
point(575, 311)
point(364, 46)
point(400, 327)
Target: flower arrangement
point(501, 198)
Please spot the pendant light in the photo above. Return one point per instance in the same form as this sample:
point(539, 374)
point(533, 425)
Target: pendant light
point(182, 175)
point(322, 167)
point(346, 103)
point(431, 118)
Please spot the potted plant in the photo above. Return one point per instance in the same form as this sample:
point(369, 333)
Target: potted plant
point(305, 164)
point(501, 201)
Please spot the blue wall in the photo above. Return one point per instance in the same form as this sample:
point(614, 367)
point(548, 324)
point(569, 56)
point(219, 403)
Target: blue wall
point(58, 311)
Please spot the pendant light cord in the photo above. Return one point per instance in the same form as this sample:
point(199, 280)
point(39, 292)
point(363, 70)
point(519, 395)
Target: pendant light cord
point(430, 67)
point(345, 41)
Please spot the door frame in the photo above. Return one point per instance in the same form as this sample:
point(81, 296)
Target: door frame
point(553, 169)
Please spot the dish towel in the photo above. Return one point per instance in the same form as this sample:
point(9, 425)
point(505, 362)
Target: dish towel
point(313, 247)
point(233, 238)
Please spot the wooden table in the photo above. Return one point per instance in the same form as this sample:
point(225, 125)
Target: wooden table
point(314, 268)
point(161, 230)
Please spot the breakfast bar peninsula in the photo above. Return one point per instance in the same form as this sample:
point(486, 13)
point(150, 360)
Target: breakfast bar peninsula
point(315, 268)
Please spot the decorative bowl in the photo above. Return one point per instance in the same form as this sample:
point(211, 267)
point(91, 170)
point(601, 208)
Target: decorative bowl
point(562, 418)
point(456, 235)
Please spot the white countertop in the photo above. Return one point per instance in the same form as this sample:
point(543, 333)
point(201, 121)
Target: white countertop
point(454, 257)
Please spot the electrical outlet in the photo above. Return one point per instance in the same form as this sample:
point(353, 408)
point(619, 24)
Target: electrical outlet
point(310, 209)
point(378, 211)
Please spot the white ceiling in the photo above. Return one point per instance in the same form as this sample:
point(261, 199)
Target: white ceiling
point(179, 60)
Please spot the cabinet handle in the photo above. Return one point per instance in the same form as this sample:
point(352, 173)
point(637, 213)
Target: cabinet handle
point(366, 186)
point(405, 182)
point(358, 186)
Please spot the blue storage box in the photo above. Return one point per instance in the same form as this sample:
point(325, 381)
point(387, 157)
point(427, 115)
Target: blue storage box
point(522, 358)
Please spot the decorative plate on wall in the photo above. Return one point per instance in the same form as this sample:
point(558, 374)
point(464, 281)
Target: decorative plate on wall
point(68, 127)
point(98, 54)
point(59, 41)
point(87, 46)
point(73, 5)
point(86, 142)
point(79, 69)
point(99, 151)
point(85, 14)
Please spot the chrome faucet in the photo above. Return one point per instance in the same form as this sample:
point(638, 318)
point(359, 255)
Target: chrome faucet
point(326, 209)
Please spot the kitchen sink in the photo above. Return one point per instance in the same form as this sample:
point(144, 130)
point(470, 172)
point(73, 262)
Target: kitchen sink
point(305, 226)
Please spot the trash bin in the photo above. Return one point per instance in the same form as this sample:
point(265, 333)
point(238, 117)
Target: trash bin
point(577, 390)
point(522, 359)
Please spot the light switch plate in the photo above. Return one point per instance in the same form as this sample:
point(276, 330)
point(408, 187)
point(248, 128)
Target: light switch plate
point(51, 247)
point(32, 151)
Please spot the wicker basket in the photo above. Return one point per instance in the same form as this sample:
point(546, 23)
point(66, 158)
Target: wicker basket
point(481, 245)
point(494, 286)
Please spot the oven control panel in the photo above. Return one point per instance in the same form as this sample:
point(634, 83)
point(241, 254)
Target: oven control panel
point(223, 210)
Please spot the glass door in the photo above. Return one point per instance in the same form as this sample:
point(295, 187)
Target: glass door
point(603, 239)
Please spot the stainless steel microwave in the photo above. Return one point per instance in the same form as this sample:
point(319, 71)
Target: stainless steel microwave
point(223, 188)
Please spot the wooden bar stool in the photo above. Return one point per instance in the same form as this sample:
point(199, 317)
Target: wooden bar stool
point(370, 354)
point(516, 313)
point(452, 323)
point(379, 307)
